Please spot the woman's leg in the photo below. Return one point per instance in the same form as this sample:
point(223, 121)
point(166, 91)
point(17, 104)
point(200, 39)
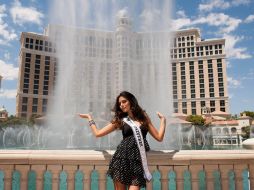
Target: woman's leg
point(119, 186)
point(132, 187)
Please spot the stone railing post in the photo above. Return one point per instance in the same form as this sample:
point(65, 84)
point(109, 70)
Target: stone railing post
point(164, 175)
point(225, 169)
point(209, 177)
point(7, 169)
point(102, 170)
point(39, 170)
point(23, 169)
point(87, 169)
point(55, 170)
point(195, 169)
point(238, 169)
point(70, 170)
point(179, 176)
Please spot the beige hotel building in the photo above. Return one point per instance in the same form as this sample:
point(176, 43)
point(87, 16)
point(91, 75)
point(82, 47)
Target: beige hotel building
point(198, 74)
point(198, 67)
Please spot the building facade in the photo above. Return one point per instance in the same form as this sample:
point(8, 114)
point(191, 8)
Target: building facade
point(198, 67)
point(37, 72)
point(198, 73)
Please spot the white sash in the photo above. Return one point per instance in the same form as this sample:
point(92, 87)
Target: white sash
point(141, 146)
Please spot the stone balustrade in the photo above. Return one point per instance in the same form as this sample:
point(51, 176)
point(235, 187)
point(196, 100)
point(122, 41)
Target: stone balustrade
point(86, 169)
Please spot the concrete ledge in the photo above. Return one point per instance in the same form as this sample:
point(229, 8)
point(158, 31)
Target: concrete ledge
point(79, 157)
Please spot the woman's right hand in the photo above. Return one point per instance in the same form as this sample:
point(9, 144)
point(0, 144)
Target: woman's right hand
point(86, 116)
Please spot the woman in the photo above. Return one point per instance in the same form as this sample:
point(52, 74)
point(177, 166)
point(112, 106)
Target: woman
point(126, 167)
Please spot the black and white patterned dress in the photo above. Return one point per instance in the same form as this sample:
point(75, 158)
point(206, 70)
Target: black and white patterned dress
point(126, 165)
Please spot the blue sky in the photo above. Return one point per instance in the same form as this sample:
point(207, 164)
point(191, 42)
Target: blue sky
point(229, 19)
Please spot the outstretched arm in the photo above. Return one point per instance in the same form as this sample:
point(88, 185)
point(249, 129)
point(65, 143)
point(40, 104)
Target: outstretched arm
point(157, 134)
point(99, 132)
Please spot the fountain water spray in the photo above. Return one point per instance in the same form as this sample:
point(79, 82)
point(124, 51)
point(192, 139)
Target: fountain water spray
point(103, 48)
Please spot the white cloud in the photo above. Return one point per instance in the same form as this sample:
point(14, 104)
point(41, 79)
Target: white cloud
point(233, 83)
point(180, 23)
point(249, 19)
point(225, 23)
point(181, 14)
point(8, 71)
point(221, 4)
point(21, 15)
point(240, 2)
point(8, 93)
point(214, 4)
point(235, 52)
point(7, 56)
point(6, 34)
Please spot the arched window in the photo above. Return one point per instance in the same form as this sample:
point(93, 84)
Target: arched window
point(218, 131)
point(225, 131)
point(233, 130)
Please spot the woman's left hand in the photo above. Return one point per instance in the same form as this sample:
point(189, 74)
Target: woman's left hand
point(161, 116)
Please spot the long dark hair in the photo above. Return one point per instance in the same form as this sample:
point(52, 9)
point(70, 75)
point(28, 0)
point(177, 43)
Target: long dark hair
point(138, 113)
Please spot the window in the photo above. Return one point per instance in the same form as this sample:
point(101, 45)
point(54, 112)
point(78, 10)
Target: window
point(223, 109)
point(44, 102)
point(222, 102)
point(24, 100)
point(34, 109)
point(184, 111)
point(212, 103)
point(35, 101)
point(24, 108)
point(220, 75)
